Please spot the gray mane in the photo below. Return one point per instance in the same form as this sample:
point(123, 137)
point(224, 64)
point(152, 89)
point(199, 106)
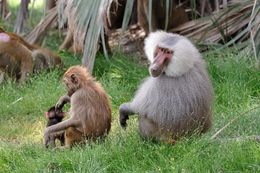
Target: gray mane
point(173, 101)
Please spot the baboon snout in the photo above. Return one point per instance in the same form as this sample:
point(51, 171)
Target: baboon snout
point(161, 59)
point(155, 70)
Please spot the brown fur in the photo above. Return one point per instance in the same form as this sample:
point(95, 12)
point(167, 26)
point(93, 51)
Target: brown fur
point(24, 58)
point(90, 111)
point(177, 15)
point(21, 54)
point(45, 59)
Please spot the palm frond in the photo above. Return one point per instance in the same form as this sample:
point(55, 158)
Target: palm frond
point(42, 27)
point(235, 24)
point(228, 24)
point(85, 18)
point(150, 3)
point(252, 34)
point(127, 15)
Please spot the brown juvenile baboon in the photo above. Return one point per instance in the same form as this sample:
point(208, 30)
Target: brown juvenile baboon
point(176, 15)
point(90, 111)
point(177, 99)
point(21, 58)
point(55, 116)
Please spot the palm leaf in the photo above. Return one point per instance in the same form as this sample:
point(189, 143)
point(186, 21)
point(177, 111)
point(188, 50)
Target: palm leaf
point(85, 18)
point(43, 26)
point(253, 18)
point(127, 14)
point(230, 25)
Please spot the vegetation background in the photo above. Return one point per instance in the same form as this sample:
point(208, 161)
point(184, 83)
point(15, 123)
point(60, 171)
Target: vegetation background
point(236, 84)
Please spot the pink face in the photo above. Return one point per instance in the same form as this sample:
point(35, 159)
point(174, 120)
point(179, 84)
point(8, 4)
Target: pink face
point(4, 37)
point(161, 58)
point(52, 114)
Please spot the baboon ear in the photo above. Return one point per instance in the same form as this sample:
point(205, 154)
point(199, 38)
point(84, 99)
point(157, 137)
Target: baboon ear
point(74, 79)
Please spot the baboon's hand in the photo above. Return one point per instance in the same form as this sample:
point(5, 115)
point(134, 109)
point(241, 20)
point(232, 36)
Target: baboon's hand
point(123, 119)
point(46, 138)
point(59, 104)
point(62, 101)
point(123, 115)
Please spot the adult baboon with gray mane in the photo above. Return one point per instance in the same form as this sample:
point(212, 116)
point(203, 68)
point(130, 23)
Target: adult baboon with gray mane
point(177, 99)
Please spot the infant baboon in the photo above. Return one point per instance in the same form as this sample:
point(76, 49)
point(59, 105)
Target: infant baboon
point(54, 117)
point(177, 99)
point(90, 111)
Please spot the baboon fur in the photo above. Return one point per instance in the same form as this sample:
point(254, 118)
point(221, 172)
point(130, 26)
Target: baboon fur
point(179, 101)
point(90, 111)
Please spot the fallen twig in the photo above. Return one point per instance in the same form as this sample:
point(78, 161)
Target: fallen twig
point(242, 138)
point(231, 121)
point(21, 98)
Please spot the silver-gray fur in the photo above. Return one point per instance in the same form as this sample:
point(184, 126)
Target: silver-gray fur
point(172, 106)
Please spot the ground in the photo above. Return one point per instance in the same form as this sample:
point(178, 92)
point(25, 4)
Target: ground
point(237, 94)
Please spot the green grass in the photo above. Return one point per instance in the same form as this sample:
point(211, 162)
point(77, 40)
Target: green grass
point(237, 89)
